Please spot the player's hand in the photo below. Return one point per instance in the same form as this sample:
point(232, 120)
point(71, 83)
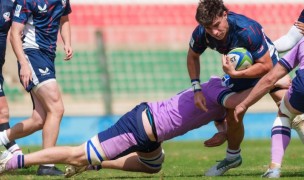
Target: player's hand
point(300, 26)
point(217, 140)
point(200, 101)
point(68, 52)
point(25, 74)
point(239, 112)
point(228, 66)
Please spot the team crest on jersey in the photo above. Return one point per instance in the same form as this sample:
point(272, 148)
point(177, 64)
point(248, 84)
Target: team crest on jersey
point(42, 9)
point(6, 16)
point(63, 3)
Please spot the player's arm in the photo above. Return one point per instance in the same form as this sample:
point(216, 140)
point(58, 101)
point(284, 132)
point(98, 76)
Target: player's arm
point(296, 32)
point(258, 69)
point(15, 39)
point(220, 137)
point(65, 31)
point(287, 41)
point(265, 84)
point(193, 65)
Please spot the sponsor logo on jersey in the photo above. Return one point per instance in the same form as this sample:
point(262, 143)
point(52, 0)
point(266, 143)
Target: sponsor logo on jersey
point(6, 16)
point(42, 9)
point(1, 88)
point(44, 71)
point(18, 10)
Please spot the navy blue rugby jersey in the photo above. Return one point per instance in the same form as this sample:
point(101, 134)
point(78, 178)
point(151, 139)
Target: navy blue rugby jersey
point(6, 7)
point(42, 22)
point(243, 32)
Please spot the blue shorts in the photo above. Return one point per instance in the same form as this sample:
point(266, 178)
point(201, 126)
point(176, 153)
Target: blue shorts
point(127, 135)
point(296, 91)
point(42, 65)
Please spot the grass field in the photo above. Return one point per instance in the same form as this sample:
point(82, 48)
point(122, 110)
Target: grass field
point(188, 160)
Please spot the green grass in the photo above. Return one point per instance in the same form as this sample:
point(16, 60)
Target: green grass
point(188, 160)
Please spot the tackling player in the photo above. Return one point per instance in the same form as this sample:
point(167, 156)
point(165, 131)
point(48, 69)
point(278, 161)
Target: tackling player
point(280, 133)
point(133, 143)
point(292, 103)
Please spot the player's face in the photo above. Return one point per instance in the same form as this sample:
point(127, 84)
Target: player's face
point(219, 28)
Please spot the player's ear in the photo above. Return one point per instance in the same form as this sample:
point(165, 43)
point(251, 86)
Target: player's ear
point(225, 14)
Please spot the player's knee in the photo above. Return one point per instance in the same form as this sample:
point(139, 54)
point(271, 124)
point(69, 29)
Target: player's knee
point(77, 156)
point(284, 110)
point(4, 115)
point(153, 164)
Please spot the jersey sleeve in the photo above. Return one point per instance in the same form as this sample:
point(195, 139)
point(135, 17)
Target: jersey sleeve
point(22, 11)
point(198, 42)
point(292, 59)
point(301, 17)
point(68, 8)
point(255, 41)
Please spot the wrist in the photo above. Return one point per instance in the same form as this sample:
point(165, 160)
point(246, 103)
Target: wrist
point(196, 85)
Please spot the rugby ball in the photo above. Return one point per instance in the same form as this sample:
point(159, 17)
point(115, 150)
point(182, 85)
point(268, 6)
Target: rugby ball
point(240, 58)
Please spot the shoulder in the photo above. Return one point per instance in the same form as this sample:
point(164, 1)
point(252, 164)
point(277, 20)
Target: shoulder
point(199, 31)
point(243, 24)
point(247, 30)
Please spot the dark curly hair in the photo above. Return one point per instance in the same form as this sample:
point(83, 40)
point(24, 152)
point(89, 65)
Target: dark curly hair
point(208, 10)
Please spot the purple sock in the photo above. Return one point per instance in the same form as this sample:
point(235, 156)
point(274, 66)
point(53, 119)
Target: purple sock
point(16, 162)
point(280, 138)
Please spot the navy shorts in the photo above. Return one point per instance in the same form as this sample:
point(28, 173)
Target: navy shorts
point(127, 135)
point(42, 65)
point(296, 91)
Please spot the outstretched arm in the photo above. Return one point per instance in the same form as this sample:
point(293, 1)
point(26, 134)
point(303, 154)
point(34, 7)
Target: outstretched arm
point(262, 87)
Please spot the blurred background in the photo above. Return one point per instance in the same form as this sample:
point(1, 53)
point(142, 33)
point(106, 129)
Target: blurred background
point(129, 51)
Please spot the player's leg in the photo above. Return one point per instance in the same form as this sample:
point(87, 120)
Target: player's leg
point(280, 138)
point(66, 155)
point(114, 148)
point(25, 127)
point(4, 124)
point(50, 98)
point(298, 121)
point(44, 88)
point(291, 105)
point(138, 162)
point(235, 135)
point(49, 95)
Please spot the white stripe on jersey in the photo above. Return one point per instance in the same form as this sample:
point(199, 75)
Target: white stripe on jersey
point(30, 35)
point(271, 47)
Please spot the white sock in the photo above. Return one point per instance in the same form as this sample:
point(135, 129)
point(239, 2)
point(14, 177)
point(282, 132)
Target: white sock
point(48, 165)
point(3, 138)
point(232, 154)
point(15, 149)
